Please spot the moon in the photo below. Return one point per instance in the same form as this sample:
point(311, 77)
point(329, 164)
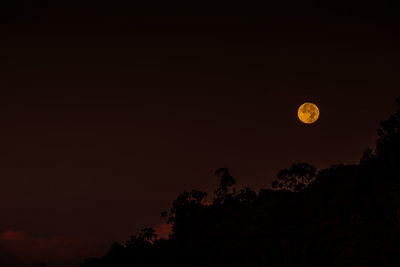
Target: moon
point(308, 113)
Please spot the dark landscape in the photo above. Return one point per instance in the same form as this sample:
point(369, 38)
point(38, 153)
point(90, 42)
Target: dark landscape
point(199, 134)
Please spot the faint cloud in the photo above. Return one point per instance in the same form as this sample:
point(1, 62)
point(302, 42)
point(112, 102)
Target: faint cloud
point(27, 248)
point(12, 235)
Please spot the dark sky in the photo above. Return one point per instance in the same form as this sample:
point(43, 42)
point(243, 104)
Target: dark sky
point(109, 111)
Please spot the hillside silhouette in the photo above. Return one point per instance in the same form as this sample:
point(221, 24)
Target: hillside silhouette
point(345, 215)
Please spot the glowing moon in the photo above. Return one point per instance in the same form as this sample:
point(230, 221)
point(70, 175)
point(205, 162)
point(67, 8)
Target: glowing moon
point(308, 113)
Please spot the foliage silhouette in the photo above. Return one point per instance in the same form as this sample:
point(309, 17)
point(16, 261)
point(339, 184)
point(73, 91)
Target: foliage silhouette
point(345, 215)
point(226, 182)
point(296, 178)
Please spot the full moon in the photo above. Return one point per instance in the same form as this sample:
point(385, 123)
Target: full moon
point(308, 113)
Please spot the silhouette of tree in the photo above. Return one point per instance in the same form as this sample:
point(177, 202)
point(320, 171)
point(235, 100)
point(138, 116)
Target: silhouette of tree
point(296, 178)
point(183, 202)
point(246, 195)
point(226, 182)
point(388, 144)
point(367, 156)
point(145, 237)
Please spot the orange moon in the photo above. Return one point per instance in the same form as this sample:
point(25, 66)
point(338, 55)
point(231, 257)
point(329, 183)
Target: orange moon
point(308, 113)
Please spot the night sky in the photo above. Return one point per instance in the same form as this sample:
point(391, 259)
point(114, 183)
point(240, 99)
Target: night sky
point(109, 111)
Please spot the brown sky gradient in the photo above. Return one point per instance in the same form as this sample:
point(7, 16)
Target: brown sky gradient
point(107, 113)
